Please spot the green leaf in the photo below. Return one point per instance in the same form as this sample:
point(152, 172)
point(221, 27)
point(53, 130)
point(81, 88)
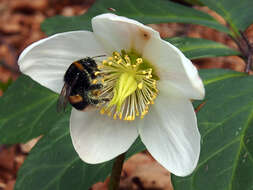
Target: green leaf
point(226, 126)
point(238, 14)
point(53, 164)
point(194, 48)
point(27, 110)
point(194, 2)
point(145, 11)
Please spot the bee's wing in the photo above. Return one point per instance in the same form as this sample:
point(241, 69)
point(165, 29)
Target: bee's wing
point(63, 98)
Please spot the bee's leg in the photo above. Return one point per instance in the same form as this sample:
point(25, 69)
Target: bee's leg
point(95, 86)
point(98, 101)
point(93, 76)
point(92, 73)
point(94, 101)
point(105, 99)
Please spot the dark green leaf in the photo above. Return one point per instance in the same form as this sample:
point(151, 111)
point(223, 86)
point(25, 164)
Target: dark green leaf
point(198, 48)
point(27, 110)
point(238, 14)
point(193, 2)
point(53, 164)
point(145, 11)
point(226, 125)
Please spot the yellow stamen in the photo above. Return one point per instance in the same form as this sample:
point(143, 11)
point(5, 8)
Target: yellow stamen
point(129, 84)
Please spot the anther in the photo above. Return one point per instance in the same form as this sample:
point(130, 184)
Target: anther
point(116, 54)
point(102, 111)
point(120, 61)
point(120, 115)
point(128, 61)
point(140, 85)
point(97, 73)
point(139, 60)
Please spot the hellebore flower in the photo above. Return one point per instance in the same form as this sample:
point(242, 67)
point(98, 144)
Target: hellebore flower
point(150, 84)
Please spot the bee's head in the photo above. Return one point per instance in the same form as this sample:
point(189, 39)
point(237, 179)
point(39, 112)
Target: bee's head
point(89, 63)
point(93, 63)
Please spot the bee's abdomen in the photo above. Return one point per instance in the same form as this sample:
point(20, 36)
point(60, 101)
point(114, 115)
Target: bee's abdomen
point(78, 102)
point(75, 99)
point(70, 74)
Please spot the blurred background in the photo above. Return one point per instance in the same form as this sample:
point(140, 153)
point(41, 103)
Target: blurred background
point(20, 26)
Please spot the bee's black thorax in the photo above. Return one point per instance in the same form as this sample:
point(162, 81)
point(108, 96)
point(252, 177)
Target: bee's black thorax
point(79, 78)
point(89, 65)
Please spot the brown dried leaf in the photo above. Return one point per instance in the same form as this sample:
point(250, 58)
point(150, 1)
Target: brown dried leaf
point(7, 156)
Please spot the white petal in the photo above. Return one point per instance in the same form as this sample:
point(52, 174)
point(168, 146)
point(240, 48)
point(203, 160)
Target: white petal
point(47, 60)
point(171, 135)
point(173, 67)
point(98, 138)
point(117, 33)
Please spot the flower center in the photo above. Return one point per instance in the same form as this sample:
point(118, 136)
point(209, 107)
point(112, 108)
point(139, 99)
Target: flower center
point(130, 83)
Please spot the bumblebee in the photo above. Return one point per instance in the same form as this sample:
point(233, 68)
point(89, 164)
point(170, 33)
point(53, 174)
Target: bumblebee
point(78, 88)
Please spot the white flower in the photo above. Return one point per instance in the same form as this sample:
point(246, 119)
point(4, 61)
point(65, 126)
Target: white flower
point(169, 130)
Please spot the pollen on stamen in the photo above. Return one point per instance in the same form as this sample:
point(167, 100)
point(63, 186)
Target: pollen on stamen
point(97, 73)
point(140, 85)
point(139, 60)
point(94, 81)
point(129, 85)
point(102, 111)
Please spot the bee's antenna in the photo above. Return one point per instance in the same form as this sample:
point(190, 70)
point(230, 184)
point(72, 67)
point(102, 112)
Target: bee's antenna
point(99, 56)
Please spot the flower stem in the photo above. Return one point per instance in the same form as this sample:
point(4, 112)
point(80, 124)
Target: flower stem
point(116, 172)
